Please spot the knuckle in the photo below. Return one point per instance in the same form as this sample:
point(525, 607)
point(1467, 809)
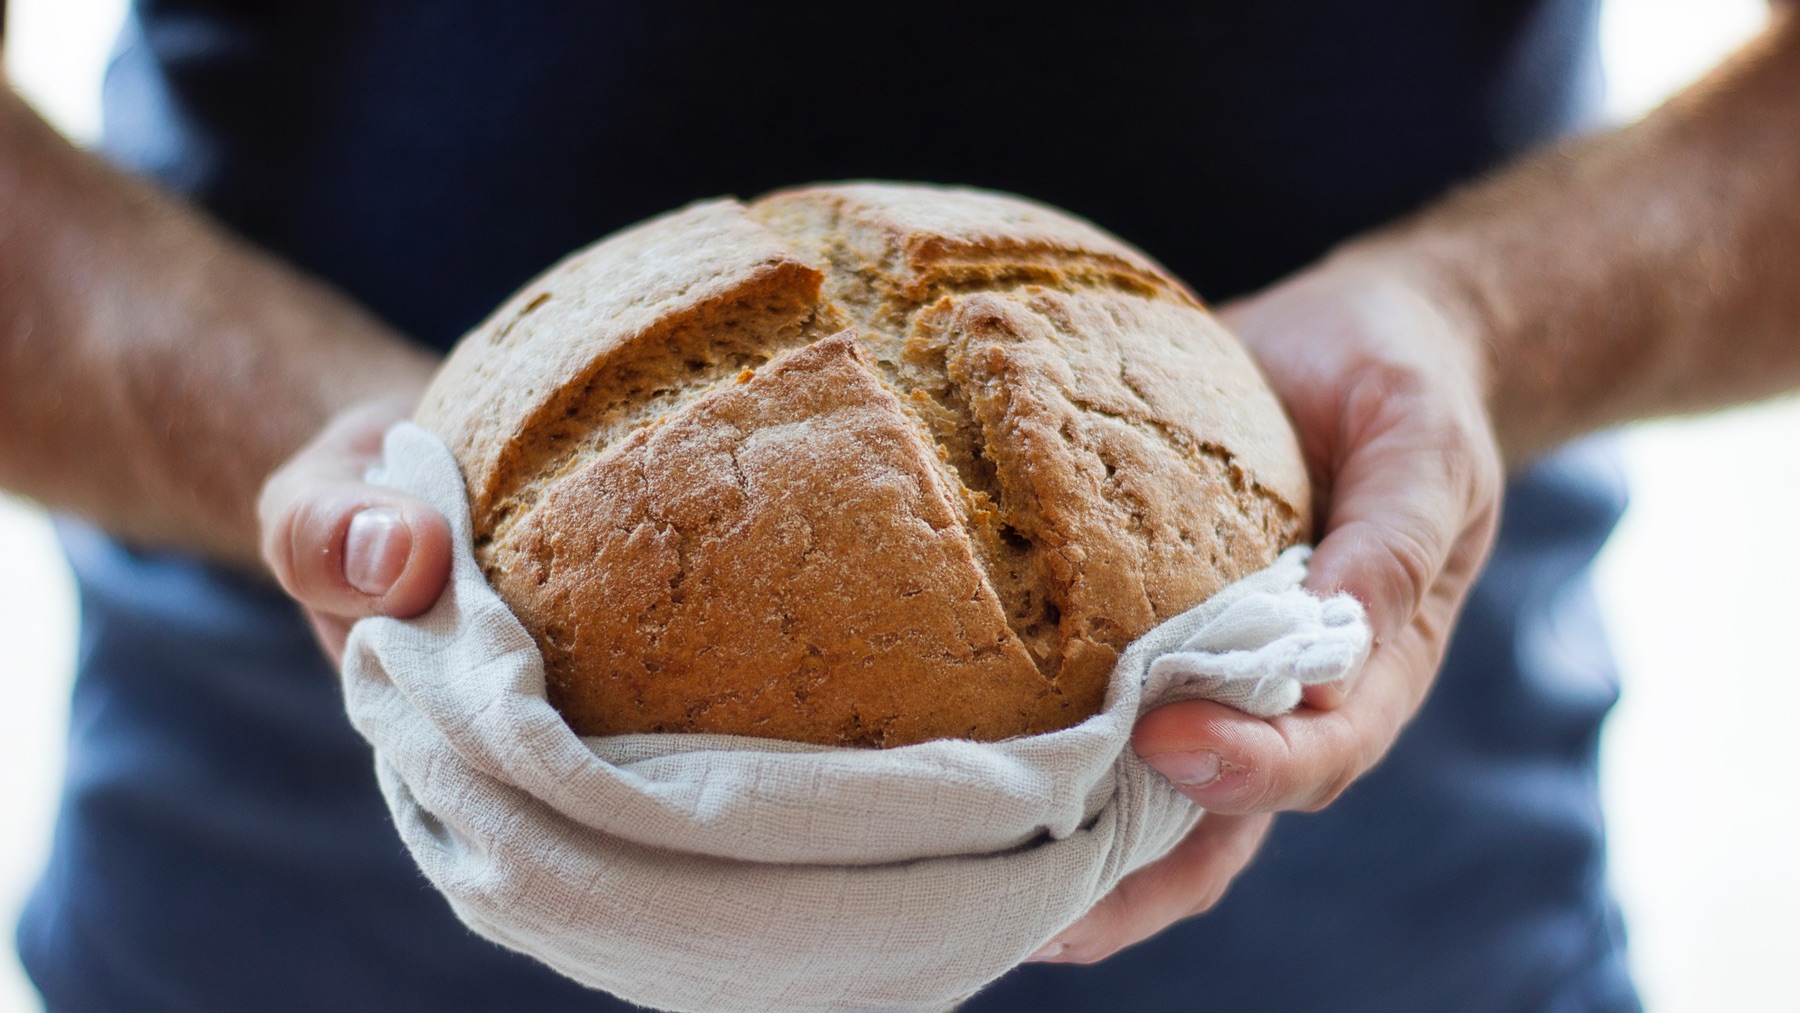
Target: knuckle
point(1267, 792)
point(1485, 518)
point(1383, 394)
point(1385, 375)
point(1261, 789)
point(1270, 785)
point(1472, 463)
point(1342, 752)
point(1331, 789)
point(1400, 568)
point(1412, 560)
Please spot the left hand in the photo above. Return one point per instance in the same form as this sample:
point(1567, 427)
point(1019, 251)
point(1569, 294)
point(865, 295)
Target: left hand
point(1385, 381)
point(345, 549)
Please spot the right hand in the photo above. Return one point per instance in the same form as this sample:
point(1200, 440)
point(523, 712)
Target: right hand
point(1385, 384)
point(346, 549)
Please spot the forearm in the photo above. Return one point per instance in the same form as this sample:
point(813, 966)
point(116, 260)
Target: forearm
point(1647, 271)
point(155, 369)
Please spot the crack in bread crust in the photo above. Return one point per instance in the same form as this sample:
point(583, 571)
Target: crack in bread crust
point(1042, 391)
point(1040, 584)
point(817, 636)
point(651, 376)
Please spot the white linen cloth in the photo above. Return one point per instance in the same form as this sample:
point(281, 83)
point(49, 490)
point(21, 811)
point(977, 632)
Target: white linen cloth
point(709, 873)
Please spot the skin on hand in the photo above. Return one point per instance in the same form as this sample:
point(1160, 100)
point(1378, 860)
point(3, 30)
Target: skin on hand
point(346, 549)
point(1386, 390)
point(1626, 275)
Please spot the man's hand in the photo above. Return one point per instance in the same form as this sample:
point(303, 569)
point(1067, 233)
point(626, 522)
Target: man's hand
point(1629, 274)
point(346, 549)
point(1385, 384)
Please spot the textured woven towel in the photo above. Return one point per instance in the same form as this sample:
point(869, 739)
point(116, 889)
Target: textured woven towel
point(715, 873)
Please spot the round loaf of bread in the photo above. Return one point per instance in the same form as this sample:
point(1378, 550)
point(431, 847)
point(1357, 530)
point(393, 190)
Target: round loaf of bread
point(862, 465)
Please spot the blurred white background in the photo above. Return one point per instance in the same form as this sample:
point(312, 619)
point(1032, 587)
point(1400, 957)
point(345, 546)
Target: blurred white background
point(55, 53)
point(1698, 589)
point(1697, 585)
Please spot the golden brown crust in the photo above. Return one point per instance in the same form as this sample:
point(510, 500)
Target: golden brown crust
point(796, 569)
point(655, 308)
point(862, 464)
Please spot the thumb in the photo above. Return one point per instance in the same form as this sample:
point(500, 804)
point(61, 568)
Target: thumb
point(343, 547)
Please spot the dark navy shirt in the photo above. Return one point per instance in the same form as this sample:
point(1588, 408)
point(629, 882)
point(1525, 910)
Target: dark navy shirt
point(221, 844)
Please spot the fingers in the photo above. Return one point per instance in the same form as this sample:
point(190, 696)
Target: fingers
point(1385, 393)
point(1384, 387)
point(349, 549)
point(1416, 471)
point(1413, 500)
point(1183, 883)
point(1411, 518)
point(345, 548)
point(1228, 761)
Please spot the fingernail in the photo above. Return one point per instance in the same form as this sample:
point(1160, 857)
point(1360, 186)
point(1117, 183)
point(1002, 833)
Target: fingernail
point(1050, 951)
point(375, 550)
point(1190, 770)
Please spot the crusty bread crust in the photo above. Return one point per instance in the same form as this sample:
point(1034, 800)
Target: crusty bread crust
point(864, 464)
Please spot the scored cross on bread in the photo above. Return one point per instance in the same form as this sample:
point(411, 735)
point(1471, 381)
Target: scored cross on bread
point(864, 464)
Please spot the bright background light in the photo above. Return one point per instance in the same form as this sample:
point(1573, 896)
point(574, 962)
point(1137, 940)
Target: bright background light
point(1700, 757)
point(1696, 584)
point(55, 53)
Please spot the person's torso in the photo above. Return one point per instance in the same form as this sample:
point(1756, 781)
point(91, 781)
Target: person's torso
point(429, 156)
point(222, 845)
